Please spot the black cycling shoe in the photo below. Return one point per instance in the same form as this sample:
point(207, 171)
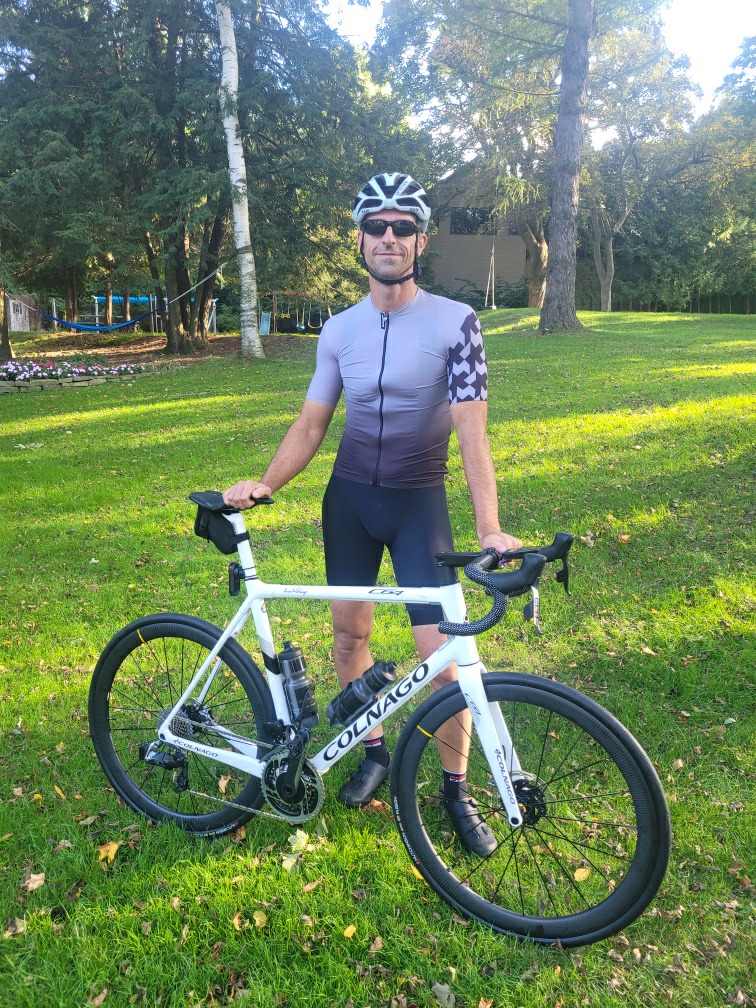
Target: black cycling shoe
point(472, 831)
point(363, 783)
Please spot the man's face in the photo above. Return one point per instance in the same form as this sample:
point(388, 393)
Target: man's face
point(390, 257)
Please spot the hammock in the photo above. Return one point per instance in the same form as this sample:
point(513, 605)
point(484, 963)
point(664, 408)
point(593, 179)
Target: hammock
point(117, 325)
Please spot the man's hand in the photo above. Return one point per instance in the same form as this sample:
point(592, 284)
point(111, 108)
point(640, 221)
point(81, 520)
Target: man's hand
point(500, 541)
point(242, 495)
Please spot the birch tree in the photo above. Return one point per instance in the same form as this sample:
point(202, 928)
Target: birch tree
point(251, 344)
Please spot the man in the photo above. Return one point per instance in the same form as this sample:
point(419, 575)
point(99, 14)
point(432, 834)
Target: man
point(411, 365)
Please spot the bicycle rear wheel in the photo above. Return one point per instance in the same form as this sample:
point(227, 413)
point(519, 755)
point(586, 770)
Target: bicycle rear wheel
point(139, 677)
point(594, 846)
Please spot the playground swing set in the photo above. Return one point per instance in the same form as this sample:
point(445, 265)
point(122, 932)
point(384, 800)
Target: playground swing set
point(291, 312)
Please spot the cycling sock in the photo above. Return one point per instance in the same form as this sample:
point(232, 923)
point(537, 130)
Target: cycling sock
point(377, 750)
point(455, 786)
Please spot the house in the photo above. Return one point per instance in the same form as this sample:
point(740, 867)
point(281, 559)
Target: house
point(469, 236)
point(466, 242)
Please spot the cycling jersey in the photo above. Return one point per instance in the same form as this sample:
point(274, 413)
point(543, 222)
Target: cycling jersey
point(400, 371)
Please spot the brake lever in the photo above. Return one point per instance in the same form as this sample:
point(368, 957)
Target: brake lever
point(563, 576)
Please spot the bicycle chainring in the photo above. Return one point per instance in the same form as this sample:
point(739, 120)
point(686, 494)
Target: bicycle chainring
point(308, 802)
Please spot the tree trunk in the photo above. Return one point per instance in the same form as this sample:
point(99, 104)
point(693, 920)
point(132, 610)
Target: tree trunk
point(127, 302)
point(178, 337)
point(558, 311)
point(109, 303)
point(603, 255)
point(202, 305)
point(152, 259)
point(532, 233)
point(251, 344)
point(70, 296)
point(6, 350)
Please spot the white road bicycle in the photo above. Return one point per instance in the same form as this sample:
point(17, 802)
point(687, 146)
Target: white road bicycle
point(188, 728)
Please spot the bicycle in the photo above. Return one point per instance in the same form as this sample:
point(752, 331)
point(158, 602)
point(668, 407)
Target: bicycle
point(188, 728)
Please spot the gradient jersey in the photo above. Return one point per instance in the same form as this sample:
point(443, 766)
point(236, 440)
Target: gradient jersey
point(400, 371)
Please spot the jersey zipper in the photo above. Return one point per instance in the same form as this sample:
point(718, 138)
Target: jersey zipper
point(385, 328)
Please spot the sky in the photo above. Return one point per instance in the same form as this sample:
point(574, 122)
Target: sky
point(708, 34)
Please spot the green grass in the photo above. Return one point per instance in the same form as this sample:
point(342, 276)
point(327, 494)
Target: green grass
point(636, 433)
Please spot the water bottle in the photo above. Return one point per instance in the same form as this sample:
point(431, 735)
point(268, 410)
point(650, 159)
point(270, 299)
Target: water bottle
point(298, 685)
point(355, 698)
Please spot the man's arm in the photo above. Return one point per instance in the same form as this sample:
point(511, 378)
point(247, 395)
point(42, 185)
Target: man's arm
point(297, 449)
point(469, 419)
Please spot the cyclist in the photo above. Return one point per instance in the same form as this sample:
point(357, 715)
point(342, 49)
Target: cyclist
point(411, 366)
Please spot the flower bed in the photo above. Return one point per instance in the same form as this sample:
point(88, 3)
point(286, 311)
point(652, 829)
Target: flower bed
point(14, 371)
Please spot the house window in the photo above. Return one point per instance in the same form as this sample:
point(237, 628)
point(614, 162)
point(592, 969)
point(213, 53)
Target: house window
point(471, 221)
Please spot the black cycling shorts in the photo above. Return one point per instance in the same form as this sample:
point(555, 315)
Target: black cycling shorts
point(359, 520)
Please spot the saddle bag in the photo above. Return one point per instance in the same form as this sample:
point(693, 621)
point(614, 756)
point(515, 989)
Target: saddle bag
point(211, 524)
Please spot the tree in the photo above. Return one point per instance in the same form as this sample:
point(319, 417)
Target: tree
point(558, 312)
point(251, 345)
point(115, 162)
point(645, 103)
point(6, 350)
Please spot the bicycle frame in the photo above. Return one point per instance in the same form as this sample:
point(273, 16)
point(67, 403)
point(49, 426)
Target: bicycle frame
point(487, 717)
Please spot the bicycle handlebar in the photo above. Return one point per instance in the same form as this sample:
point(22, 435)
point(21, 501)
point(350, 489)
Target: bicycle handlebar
point(501, 585)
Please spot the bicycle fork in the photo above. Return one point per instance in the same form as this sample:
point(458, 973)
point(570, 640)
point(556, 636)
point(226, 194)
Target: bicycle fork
point(494, 738)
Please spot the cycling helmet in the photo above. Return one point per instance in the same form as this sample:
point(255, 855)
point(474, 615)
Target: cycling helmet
point(392, 191)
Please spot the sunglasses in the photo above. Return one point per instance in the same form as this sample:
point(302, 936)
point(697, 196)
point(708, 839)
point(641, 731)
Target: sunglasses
point(400, 228)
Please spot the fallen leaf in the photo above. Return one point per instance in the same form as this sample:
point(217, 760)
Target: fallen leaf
point(417, 873)
point(376, 945)
point(260, 918)
point(63, 845)
point(647, 650)
point(223, 783)
point(15, 926)
point(350, 931)
point(483, 1003)
point(59, 792)
point(32, 882)
point(311, 885)
point(146, 927)
point(18, 792)
point(95, 1002)
point(107, 852)
point(443, 995)
point(582, 874)
point(182, 939)
point(239, 922)
point(678, 764)
point(624, 538)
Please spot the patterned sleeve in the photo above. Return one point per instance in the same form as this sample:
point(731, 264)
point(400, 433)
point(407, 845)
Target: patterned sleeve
point(326, 383)
point(466, 364)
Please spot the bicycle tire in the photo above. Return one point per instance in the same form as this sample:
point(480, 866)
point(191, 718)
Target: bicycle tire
point(595, 844)
point(139, 676)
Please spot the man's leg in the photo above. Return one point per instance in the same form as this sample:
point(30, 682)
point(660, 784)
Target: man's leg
point(352, 627)
point(453, 738)
point(453, 741)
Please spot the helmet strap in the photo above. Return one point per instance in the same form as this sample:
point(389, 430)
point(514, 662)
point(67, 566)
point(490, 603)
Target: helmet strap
point(414, 275)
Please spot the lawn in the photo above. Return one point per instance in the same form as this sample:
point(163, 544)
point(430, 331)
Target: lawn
point(637, 434)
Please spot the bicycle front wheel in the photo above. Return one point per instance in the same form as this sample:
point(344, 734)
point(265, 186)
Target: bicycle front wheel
point(594, 845)
point(138, 679)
